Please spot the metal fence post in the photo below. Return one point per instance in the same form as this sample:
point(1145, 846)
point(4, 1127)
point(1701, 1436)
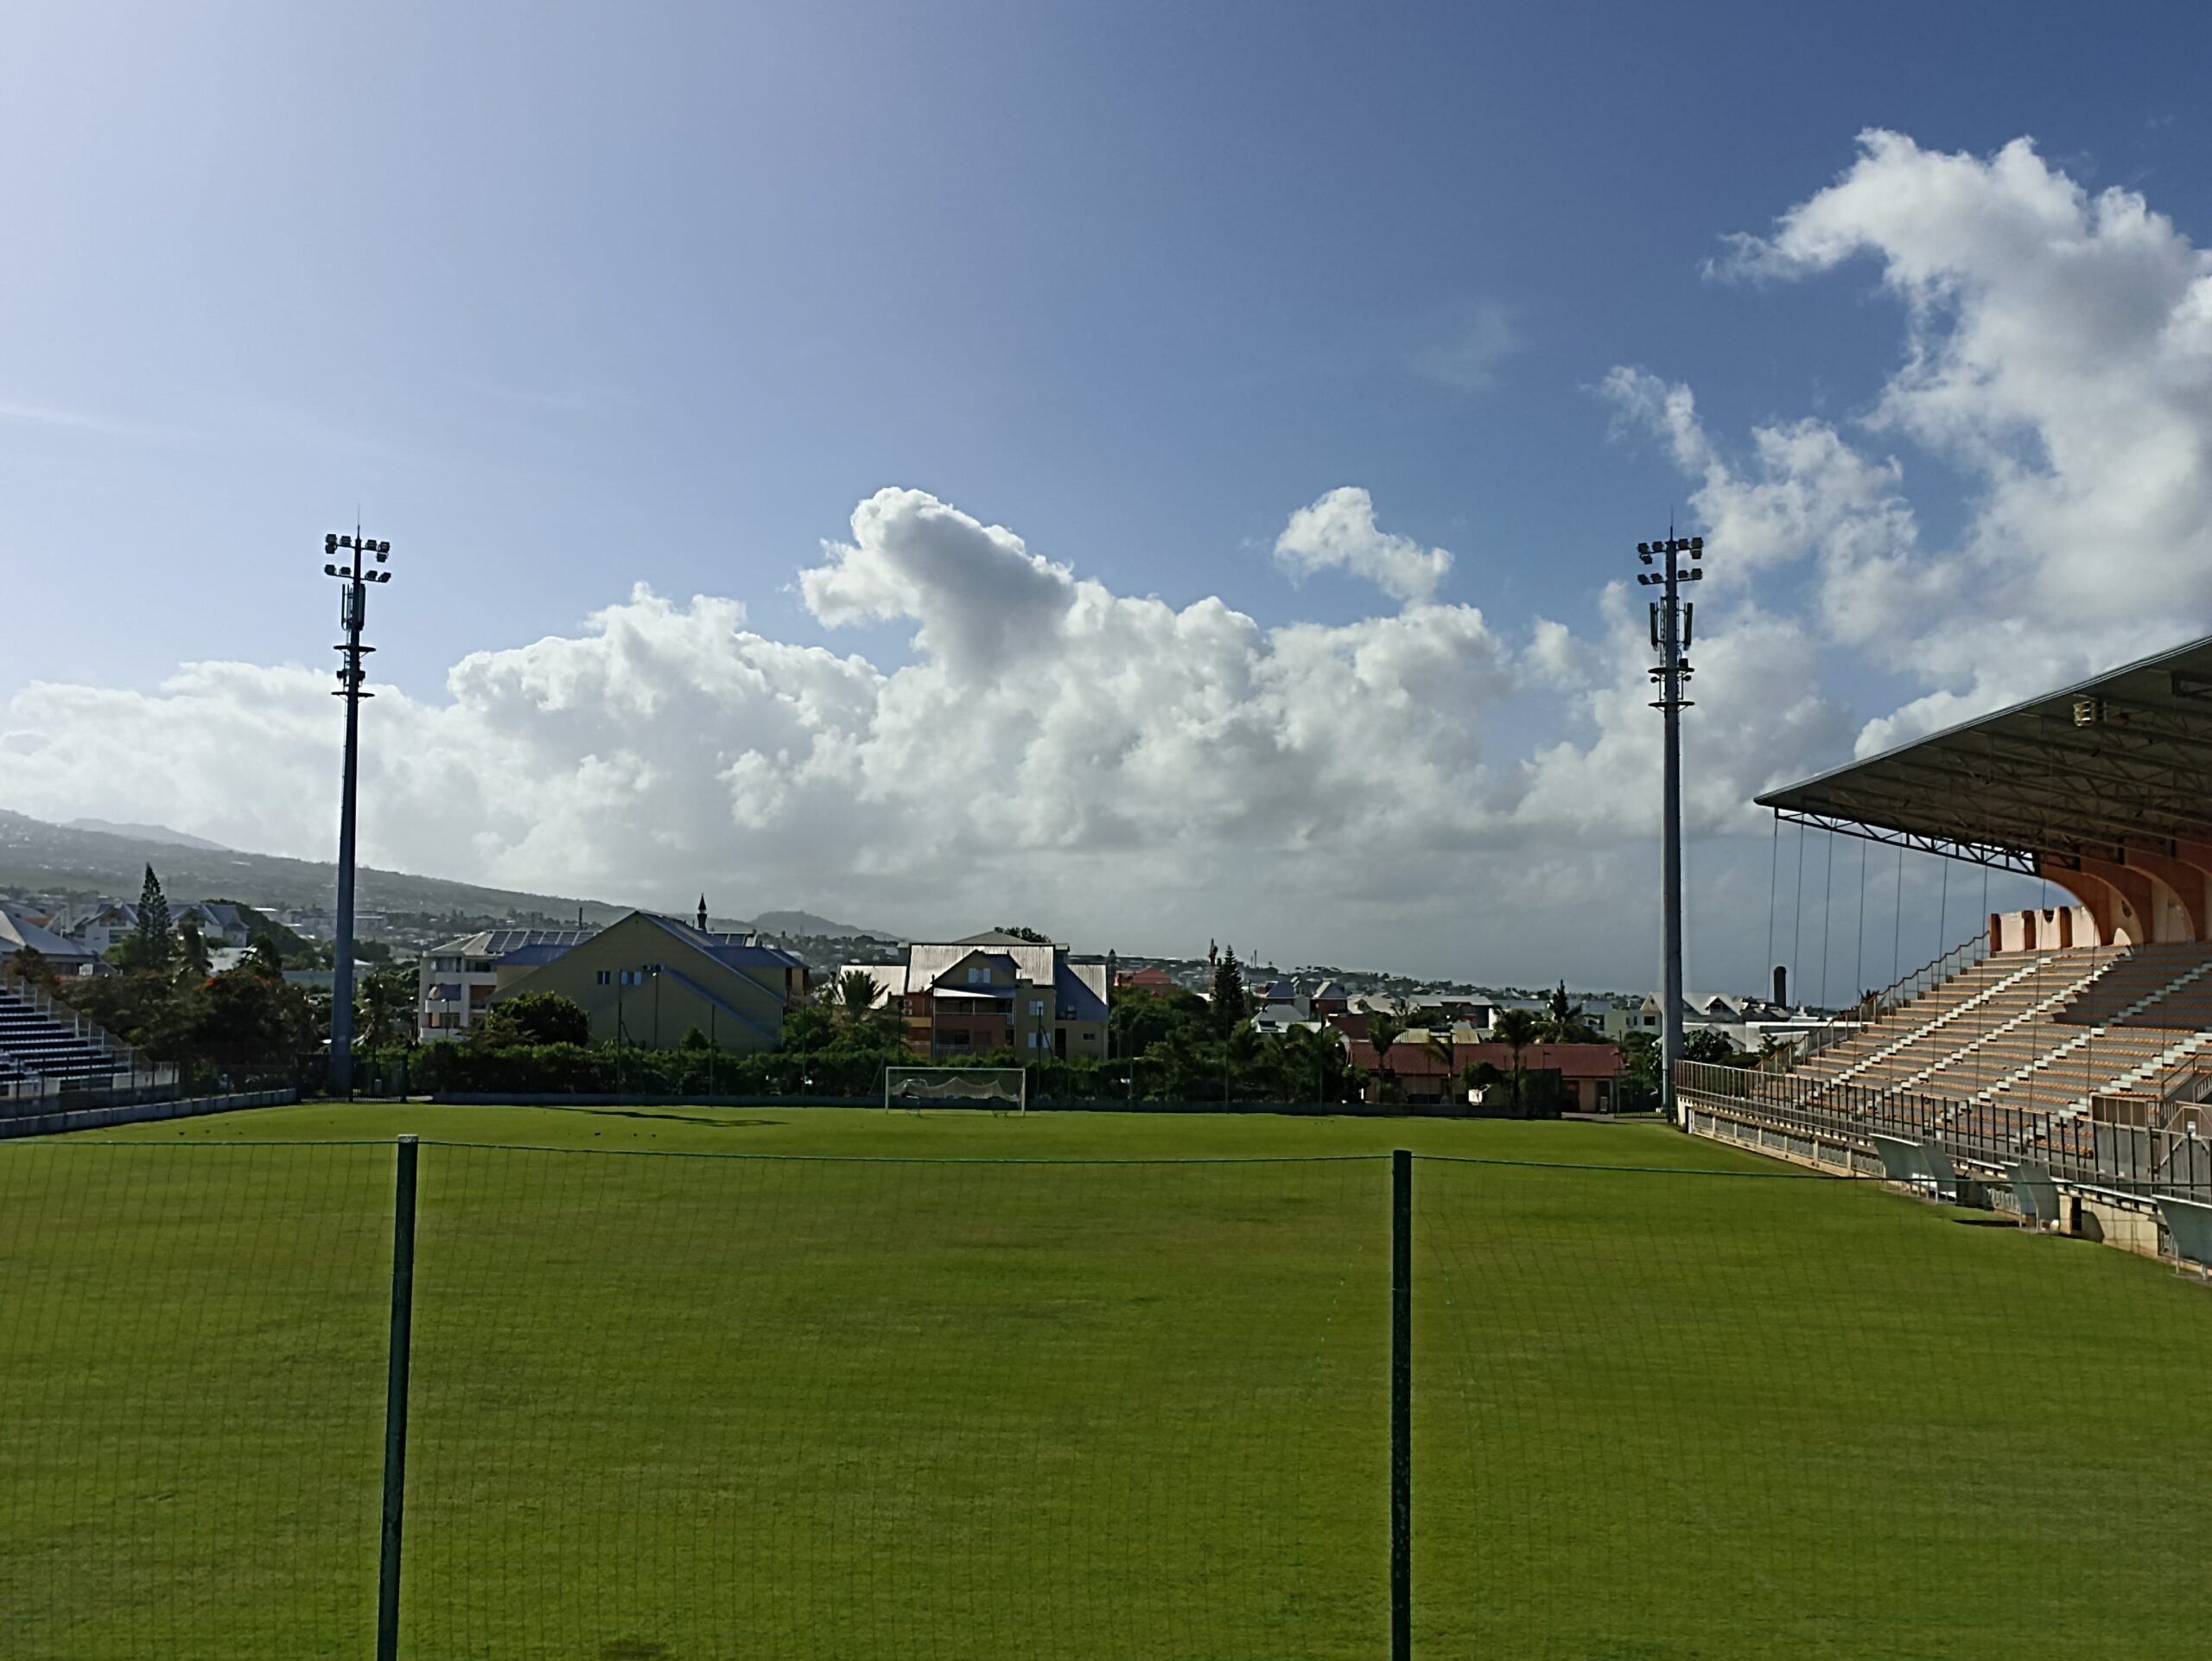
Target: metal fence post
point(395, 1400)
point(1402, 1405)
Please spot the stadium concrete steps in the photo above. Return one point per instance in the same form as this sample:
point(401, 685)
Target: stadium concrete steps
point(33, 1044)
point(2106, 1033)
point(2012, 1024)
point(1984, 991)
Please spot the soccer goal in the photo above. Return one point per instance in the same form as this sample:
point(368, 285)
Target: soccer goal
point(1003, 1090)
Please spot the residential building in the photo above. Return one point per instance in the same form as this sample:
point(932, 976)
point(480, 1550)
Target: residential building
point(996, 991)
point(1588, 1072)
point(649, 980)
point(99, 929)
point(63, 955)
point(455, 980)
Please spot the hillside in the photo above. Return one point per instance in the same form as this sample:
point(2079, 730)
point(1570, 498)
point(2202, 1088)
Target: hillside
point(69, 859)
point(75, 858)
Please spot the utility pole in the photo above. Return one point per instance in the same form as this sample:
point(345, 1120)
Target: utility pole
point(1671, 619)
point(352, 614)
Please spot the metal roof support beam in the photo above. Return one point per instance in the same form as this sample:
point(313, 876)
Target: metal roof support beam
point(1997, 857)
point(2138, 769)
point(2016, 815)
point(1895, 812)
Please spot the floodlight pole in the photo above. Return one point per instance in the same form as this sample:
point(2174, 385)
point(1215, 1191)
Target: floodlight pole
point(353, 614)
point(1671, 620)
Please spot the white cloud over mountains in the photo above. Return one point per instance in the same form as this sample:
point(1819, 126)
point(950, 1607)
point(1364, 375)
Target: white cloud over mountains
point(1131, 773)
point(1053, 750)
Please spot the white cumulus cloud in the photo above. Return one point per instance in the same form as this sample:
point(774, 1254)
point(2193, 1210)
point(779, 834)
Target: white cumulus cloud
point(1338, 532)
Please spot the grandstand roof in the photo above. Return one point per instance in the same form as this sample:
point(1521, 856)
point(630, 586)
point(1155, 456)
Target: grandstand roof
point(2121, 761)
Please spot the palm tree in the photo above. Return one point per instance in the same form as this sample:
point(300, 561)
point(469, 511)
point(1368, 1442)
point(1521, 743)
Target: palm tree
point(1383, 1031)
point(1439, 1044)
point(1516, 1029)
point(854, 994)
point(1561, 1020)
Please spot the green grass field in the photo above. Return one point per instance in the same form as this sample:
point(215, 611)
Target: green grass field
point(1079, 1385)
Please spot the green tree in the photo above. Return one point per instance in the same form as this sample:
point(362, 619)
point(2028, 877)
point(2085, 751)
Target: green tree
point(1703, 1044)
point(1561, 1020)
point(694, 1040)
point(1028, 934)
point(1230, 1003)
point(250, 1015)
point(383, 1005)
point(191, 949)
point(1313, 1059)
point(1138, 1019)
point(1637, 1091)
point(30, 966)
point(1516, 1029)
point(156, 943)
point(1479, 1075)
point(535, 1018)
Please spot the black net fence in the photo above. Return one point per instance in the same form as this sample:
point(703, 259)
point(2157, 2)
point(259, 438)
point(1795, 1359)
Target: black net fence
point(677, 1406)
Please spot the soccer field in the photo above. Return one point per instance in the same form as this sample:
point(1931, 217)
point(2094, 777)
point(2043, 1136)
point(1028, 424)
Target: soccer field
point(781, 1383)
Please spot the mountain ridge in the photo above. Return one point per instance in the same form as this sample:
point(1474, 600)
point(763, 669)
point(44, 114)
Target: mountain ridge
point(47, 858)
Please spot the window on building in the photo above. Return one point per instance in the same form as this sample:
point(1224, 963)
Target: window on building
point(605, 976)
point(1036, 1006)
point(977, 973)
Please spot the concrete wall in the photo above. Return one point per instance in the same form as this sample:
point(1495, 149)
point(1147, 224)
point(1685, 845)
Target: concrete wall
point(97, 1118)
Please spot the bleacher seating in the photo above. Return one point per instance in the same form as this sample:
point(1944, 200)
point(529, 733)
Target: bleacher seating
point(37, 1048)
point(2016, 1047)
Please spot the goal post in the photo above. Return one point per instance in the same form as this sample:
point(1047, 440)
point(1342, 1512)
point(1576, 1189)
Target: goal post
point(1003, 1090)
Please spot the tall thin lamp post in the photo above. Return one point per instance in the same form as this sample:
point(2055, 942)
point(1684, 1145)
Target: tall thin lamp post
point(1671, 620)
point(353, 615)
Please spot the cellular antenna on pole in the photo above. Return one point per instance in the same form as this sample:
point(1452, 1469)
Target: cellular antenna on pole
point(352, 614)
point(1671, 622)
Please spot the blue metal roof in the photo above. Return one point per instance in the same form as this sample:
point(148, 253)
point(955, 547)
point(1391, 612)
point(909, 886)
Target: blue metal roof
point(1072, 993)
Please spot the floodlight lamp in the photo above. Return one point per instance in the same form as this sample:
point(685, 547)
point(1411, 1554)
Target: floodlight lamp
point(330, 570)
point(1697, 547)
point(330, 543)
point(383, 548)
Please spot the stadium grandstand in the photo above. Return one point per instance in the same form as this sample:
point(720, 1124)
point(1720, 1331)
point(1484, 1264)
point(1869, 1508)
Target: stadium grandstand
point(49, 1051)
point(2059, 1061)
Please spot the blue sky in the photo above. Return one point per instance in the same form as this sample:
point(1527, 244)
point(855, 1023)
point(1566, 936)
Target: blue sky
point(570, 298)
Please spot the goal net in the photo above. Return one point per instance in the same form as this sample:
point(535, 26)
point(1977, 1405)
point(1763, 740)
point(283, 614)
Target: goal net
point(1003, 1090)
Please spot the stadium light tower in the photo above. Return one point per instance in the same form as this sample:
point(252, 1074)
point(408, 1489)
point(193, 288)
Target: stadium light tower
point(1671, 619)
point(352, 612)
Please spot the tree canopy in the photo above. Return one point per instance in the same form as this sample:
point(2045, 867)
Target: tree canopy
point(535, 1018)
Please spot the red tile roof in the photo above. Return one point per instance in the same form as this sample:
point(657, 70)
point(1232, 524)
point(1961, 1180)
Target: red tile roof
point(1412, 1058)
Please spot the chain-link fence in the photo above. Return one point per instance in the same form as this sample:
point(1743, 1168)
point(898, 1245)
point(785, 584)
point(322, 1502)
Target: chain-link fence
point(681, 1406)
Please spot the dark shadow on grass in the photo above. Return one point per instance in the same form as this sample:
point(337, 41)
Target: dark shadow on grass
point(650, 1113)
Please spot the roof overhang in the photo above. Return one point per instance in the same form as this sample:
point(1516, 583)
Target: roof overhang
point(2120, 762)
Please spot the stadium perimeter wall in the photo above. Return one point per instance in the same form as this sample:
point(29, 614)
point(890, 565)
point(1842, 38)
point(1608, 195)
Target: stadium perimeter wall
point(99, 1118)
point(2128, 1221)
